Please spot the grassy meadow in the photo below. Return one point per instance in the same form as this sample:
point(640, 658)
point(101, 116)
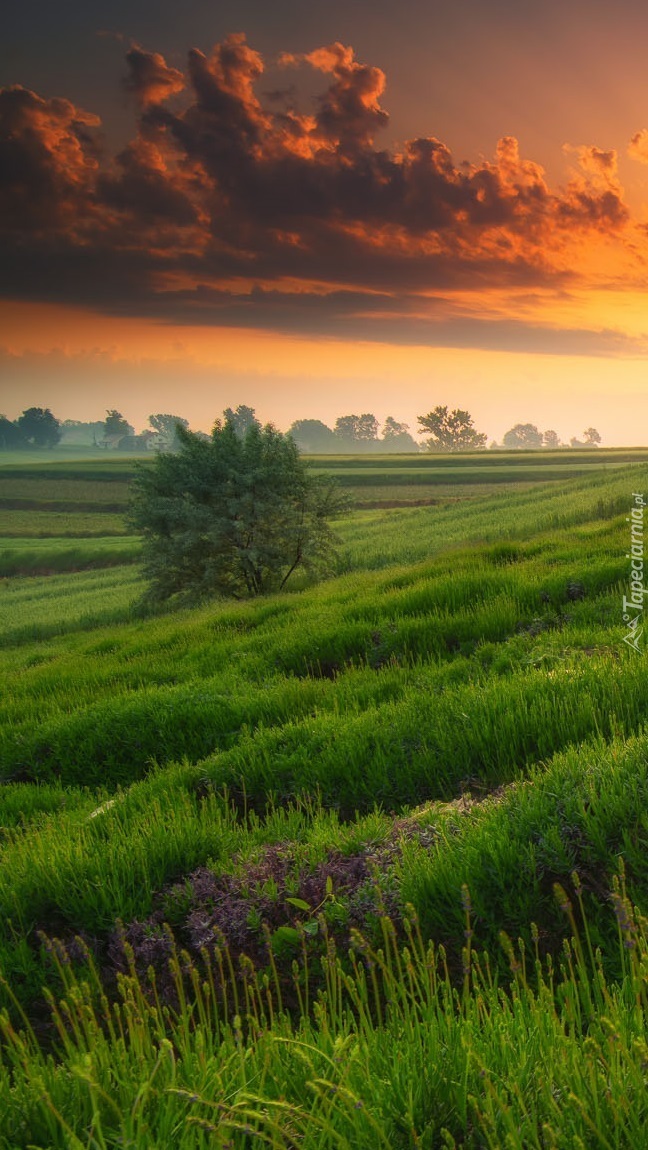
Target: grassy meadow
point(361, 865)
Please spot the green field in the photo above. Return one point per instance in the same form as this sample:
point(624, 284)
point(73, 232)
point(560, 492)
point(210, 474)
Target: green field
point(360, 865)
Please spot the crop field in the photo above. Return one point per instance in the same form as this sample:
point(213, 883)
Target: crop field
point(360, 865)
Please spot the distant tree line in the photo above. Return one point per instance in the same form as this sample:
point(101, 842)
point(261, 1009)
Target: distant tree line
point(36, 427)
point(117, 434)
point(352, 433)
point(444, 431)
point(527, 436)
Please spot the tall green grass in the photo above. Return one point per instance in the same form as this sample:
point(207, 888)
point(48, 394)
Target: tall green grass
point(21, 556)
point(393, 1055)
point(454, 718)
point(105, 704)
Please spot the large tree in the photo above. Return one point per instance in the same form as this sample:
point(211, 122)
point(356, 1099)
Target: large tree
point(451, 430)
point(39, 427)
point(232, 514)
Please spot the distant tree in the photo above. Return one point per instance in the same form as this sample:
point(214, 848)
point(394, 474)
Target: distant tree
point(450, 431)
point(115, 428)
point(39, 427)
point(346, 428)
point(241, 419)
point(232, 514)
point(77, 431)
point(164, 427)
point(357, 430)
point(493, 445)
point(392, 429)
point(396, 436)
point(312, 436)
point(591, 436)
point(10, 434)
point(550, 439)
point(523, 435)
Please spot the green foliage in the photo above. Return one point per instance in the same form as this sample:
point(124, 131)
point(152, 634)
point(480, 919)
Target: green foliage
point(39, 427)
point(233, 515)
point(451, 431)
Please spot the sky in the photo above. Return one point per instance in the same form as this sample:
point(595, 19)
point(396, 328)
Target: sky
point(318, 209)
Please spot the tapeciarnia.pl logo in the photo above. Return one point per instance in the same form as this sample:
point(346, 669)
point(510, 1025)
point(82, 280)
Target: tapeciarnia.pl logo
point(633, 605)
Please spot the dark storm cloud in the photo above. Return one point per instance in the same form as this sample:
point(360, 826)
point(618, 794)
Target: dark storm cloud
point(222, 210)
point(141, 185)
point(149, 78)
point(48, 161)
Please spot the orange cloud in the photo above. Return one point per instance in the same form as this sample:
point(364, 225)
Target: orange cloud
point(150, 78)
point(226, 108)
point(226, 211)
point(48, 160)
point(349, 112)
point(638, 146)
point(594, 195)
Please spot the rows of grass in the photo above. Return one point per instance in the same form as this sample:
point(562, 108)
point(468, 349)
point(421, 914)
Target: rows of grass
point(333, 799)
point(580, 810)
point(37, 556)
point(54, 488)
point(69, 460)
point(79, 869)
point(44, 606)
point(192, 683)
point(26, 524)
point(77, 861)
point(375, 539)
point(384, 496)
point(484, 459)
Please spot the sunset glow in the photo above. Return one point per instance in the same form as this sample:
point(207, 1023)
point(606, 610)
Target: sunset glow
point(270, 218)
